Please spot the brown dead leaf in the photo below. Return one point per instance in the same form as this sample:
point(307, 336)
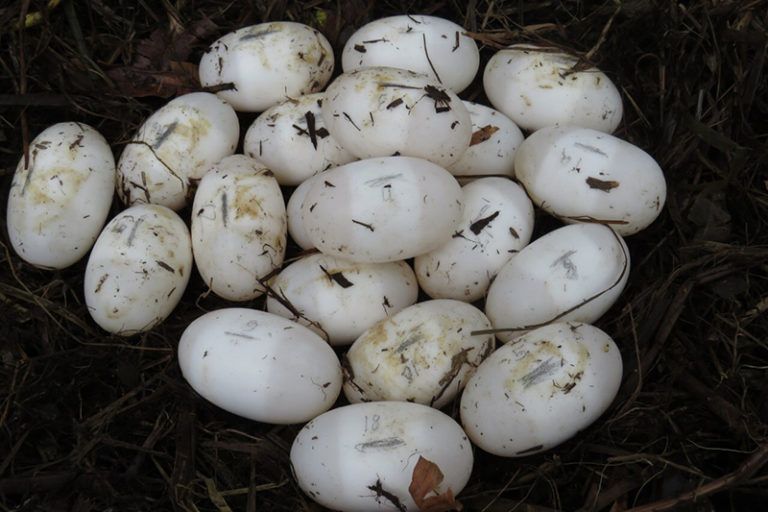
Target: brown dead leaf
point(425, 479)
point(483, 134)
point(135, 82)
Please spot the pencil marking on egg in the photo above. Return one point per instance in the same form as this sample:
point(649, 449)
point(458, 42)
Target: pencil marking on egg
point(388, 443)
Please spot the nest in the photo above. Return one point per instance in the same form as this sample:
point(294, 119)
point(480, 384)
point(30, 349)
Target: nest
point(94, 422)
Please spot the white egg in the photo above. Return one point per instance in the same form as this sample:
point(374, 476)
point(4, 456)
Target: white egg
point(497, 222)
point(574, 273)
point(541, 390)
point(291, 139)
point(173, 149)
point(340, 299)
point(425, 354)
point(387, 112)
point(239, 227)
point(429, 45)
point(293, 211)
point(580, 174)
point(495, 138)
point(382, 209)
point(138, 269)
point(362, 457)
point(538, 87)
point(266, 64)
point(259, 366)
point(60, 198)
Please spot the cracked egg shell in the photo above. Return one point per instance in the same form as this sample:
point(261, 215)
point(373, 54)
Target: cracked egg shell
point(340, 299)
point(361, 457)
point(537, 87)
point(382, 209)
point(425, 354)
point(429, 45)
point(239, 227)
point(581, 174)
point(497, 222)
point(495, 138)
point(267, 63)
point(259, 366)
point(541, 390)
point(138, 269)
point(293, 211)
point(574, 273)
point(291, 139)
point(174, 147)
point(378, 112)
point(59, 201)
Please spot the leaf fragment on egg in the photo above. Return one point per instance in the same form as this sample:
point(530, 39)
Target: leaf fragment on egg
point(425, 479)
point(604, 185)
point(483, 134)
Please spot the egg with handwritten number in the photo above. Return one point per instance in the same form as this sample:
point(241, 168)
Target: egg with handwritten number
point(260, 366)
point(362, 457)
point(539, 391)
point(138, 269)
point(599, 177)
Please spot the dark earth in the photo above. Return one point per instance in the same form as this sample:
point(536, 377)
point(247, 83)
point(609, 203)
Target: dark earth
point(93, 422)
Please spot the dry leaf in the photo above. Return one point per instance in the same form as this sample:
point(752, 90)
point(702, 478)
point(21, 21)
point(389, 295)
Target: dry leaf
point(483, 134)
point(425, 479)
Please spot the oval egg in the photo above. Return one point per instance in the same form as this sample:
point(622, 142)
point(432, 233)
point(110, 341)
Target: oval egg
point(497, 222)
point(379, 112)
point(138, 269)
point(574, 273)
point(362, 457)
point(266, 64)
point(174, 147)
point(429, 45)
point(423, 354)
point(538, 87)
point(60, 199)
point(382, 209)
point(581, 174)
point(259, 366)
point(239, 227)
point(340, 299)
point(495, 139)
point(539, 391)
point(291, 139)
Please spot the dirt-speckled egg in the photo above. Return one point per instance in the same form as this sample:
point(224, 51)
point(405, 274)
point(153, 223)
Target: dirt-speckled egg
point(578, 174)
point(267, 63)
point(363, 457)
point(430, 45)
point(497, 223)
point(377, 112)
point(293, 211)
point(574, 273)
point(239, 227)
point(259, 366)
point(495, 139)
point(291, 139)
point(60, 197)
point(423, 354)
point(138, 269)
point(339, 299)
point(539, 391)
point(382, 209)
point(538, 87)
point(174, 147)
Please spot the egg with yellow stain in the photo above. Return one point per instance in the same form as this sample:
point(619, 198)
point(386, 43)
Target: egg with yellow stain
point(239, 227)
point(542, 389)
